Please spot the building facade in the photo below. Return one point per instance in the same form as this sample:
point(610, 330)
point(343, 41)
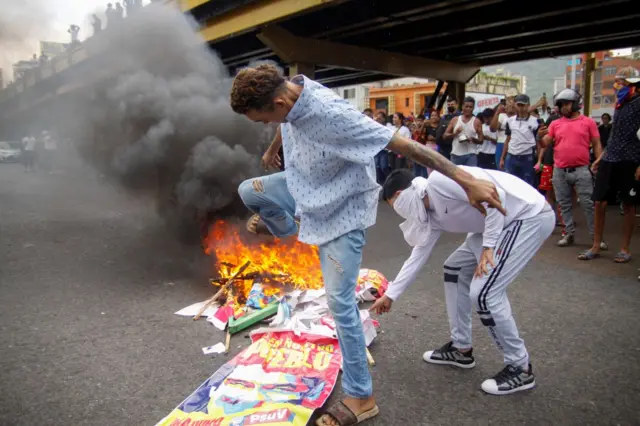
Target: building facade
point(404, 98)
point(499, 83)
point(607, 66)
point(412, 95)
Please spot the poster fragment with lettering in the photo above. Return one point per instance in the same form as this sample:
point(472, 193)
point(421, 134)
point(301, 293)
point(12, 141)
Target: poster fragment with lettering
point(279, 380)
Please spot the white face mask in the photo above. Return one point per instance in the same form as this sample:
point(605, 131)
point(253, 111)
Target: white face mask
point(410, 206)
point(405, 203)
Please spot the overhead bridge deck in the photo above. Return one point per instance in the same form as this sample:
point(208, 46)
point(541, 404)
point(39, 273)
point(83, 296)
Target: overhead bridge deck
point(464, 33)
point(343, 42)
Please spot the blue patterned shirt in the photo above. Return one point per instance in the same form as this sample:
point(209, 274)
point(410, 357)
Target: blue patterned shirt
point(329, 148)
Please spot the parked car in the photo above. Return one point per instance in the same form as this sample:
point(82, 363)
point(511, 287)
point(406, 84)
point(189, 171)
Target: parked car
point(10, 152)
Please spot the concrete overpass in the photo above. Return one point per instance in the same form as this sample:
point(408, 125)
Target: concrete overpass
point(343, 42)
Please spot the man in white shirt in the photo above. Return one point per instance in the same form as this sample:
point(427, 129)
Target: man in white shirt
point(29, 145)
point(487, 151)
point(466, 132)
point(519, 148)
point(472, 275)
point(498, 124)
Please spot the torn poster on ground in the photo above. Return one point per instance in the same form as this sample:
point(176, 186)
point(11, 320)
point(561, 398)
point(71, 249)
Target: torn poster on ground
point(280, 379)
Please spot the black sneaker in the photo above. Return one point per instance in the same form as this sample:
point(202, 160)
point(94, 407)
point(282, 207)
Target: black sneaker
point(511, 379)
point(450, 356)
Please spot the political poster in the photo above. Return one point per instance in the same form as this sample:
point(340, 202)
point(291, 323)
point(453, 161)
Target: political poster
point(484, 101)
point(280, 379)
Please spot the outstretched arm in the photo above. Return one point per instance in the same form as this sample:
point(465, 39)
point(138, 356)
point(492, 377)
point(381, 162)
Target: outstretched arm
point(495, 122)
point(412, 266)
point(478, 191)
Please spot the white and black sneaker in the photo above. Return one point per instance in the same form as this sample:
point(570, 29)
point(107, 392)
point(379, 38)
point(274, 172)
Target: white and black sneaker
point(450, 356)
point(511, 379)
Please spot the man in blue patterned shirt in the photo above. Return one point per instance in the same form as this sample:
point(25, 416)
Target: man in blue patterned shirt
point(330, 184)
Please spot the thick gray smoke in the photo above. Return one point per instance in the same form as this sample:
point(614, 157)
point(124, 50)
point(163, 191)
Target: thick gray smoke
point(156, 117)
point(22, 24)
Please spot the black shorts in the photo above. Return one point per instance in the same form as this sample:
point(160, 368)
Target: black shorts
point(616, 178)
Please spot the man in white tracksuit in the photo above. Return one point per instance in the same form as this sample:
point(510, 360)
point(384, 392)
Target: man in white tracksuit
point(477, 274)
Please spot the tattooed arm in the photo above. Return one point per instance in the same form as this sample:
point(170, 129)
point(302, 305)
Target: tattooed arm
point(478, 191)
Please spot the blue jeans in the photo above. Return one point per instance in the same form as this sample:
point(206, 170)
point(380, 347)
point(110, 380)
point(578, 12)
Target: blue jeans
point(520, 166)
point(383, 167)
point(340, 262)
point(499, 149)
point(274, 204)
point(465, 160)
point(420, 170)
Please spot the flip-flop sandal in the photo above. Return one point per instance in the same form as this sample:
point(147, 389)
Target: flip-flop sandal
point(345, 417)
point(588, 255)
point(256, 226)
point(622, 257)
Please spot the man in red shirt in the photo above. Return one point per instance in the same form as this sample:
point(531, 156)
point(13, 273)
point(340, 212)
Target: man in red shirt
point(574, 134)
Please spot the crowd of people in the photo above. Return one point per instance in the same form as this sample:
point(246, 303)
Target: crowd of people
point(39, 152)
point(115, 14)
point(567, 156)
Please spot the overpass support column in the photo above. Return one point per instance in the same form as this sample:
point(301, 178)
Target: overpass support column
point(456, 89)
point(589, 68)
point(309, 70)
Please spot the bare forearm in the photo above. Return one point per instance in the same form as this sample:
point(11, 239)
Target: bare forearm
point(429, 158)
point(541, 154)
point(495, 122)
point(597, 147)
point(276, 143)
point(546, 140)
point(478, 127)
point(505, 149)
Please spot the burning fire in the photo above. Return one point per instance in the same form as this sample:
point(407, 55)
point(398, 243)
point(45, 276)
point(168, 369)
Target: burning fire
point(275, 265)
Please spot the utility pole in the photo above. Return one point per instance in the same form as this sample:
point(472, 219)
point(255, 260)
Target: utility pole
point(573, 72)
point(589, 68)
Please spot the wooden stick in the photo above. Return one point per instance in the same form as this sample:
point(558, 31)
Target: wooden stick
point(249, 276)
point(227, 342)
point(222, 290)
point(370, 358)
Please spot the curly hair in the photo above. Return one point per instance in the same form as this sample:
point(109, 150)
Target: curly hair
point(254, 88)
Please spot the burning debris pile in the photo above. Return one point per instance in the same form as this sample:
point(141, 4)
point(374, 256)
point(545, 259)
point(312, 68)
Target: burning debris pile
point(251, 276)
point(278, 265)
point(257, 279)
point(293, 363)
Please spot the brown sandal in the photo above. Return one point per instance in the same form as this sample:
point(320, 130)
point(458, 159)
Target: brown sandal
point(256, 225)
point(345, 417)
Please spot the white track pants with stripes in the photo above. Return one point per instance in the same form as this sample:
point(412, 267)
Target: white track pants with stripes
point(518, 243)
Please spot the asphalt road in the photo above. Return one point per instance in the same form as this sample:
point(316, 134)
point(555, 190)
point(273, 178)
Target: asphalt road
point(89, 281)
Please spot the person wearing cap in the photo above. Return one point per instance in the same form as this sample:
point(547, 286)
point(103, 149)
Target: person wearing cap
point(519, 148)
point(574, 135)
point(618, 167)
point(478, 273)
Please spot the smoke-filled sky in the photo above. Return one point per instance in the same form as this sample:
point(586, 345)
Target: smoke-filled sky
point(151, 112)
point(23, 23)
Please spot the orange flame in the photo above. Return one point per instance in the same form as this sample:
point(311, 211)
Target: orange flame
point(276, 263)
